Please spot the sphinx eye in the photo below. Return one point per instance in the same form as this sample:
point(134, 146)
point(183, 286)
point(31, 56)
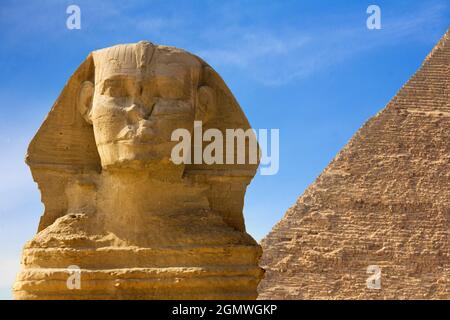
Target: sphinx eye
point(170, 88)
point(115, 89)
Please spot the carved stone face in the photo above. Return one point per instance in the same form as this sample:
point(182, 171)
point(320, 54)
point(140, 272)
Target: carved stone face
point(136, 103)
point(118, 111)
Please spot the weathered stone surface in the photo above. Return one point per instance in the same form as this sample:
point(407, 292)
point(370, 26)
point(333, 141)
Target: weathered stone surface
point(384, 200)
point(138, 226)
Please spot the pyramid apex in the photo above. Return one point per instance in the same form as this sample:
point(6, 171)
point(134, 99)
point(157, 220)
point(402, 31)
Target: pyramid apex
point(440, 45)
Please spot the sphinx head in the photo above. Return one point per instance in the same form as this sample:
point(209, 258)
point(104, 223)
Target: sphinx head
point(118, 111)
point(139, 95)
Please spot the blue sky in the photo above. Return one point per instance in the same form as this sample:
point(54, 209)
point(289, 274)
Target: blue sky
point(309, 68)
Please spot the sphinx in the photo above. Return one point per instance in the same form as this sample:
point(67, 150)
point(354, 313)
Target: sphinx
point(137, 225)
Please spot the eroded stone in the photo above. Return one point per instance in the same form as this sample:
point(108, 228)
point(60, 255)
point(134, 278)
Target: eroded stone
point(138, 226)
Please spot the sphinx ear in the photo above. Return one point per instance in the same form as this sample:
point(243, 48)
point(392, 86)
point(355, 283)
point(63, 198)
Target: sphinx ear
point(84, 103)
point(206, 103)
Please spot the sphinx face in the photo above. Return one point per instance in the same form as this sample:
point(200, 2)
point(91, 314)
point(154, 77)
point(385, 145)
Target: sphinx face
point(135, 110)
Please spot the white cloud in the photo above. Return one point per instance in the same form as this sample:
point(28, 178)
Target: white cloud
point(278, 57)
point(267, 52)
point(250, 47)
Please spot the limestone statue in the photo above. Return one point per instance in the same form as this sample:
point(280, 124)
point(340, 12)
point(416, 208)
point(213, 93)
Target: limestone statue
point(136, 225)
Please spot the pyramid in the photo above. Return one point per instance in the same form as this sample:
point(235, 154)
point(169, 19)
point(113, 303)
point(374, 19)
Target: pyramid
point(383, 201)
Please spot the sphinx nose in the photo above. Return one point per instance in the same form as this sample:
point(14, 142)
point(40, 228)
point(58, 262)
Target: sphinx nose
point(136, 113)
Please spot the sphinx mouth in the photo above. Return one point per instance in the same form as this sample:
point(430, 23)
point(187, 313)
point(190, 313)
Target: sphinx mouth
point(138, 139)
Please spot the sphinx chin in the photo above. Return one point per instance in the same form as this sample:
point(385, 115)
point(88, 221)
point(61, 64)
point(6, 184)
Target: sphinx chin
point(125, 154)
